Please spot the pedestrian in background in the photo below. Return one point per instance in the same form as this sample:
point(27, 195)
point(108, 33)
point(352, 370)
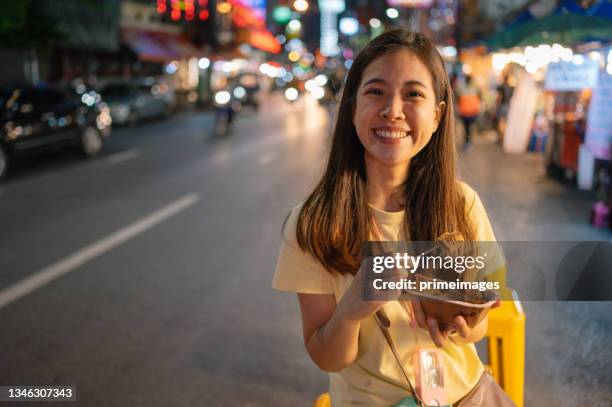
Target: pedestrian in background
point(502, 103)
point(390, 177)
point(469, 102)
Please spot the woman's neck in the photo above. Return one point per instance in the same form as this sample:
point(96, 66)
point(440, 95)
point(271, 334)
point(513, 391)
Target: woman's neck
point(384, 184)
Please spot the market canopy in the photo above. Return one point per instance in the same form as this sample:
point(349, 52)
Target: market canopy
point(564, 29)
point(568, 24)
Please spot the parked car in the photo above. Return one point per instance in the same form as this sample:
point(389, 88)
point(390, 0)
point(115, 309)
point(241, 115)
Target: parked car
point(130, 102)
point(38, 117)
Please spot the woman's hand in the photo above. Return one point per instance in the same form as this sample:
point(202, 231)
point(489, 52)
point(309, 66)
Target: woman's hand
point(354, 307)
point(331, 331)
point(438, 335)
point(438, 332)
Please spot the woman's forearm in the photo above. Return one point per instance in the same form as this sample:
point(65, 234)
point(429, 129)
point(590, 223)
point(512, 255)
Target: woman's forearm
point(335, 344)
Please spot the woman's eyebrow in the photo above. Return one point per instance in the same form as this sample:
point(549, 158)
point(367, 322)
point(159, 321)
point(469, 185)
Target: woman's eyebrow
point(415, 82)
point(375, 80)
point(407, 83)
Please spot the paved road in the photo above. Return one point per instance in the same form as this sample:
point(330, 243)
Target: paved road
point(164, 249)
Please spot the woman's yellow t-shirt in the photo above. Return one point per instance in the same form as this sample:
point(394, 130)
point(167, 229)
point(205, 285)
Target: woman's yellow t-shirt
point(374, 379)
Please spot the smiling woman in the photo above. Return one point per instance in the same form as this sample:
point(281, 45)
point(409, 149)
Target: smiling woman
point(393, 148)
point(390, 176)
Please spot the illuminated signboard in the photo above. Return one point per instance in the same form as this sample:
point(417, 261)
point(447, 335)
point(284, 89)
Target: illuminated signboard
point(329, 22)
point(258, 6)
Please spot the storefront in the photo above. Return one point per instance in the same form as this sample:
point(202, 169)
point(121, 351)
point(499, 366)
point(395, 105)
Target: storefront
point(561, 107)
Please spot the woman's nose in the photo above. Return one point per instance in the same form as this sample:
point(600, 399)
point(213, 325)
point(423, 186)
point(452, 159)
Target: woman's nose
point(394, 110)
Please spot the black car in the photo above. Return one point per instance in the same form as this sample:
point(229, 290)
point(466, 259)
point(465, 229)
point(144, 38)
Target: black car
point(38, 117)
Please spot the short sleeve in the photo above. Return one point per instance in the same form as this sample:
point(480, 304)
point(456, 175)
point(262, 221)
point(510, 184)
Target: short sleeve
point(496, 266)
point(478, 215)
point(298, 271)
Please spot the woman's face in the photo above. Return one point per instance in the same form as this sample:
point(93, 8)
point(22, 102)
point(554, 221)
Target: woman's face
point(396, 112)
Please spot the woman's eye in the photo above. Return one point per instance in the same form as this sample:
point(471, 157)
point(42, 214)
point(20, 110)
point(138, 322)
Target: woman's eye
point(373, 91)
point(413, 94)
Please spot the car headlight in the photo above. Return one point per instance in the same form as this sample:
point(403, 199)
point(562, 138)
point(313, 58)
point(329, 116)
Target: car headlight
point(104, 119)
point(13, 131)
point(222, 97)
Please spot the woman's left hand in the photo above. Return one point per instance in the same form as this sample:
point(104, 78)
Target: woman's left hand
point(439, 334)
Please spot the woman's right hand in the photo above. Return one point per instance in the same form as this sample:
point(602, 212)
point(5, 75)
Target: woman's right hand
point(353, 305)
point(331, 330)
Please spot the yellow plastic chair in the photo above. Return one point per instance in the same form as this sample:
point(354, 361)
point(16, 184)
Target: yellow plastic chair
point(506, 349)
point(323, 401)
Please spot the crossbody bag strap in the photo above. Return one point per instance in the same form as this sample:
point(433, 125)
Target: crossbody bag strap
point(387, 336)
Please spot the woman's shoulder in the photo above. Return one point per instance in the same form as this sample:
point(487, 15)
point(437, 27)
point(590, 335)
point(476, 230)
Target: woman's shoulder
point(474, 208)
point(469, 194)
point(290, 225)
point(473, 204)
point(296, 269)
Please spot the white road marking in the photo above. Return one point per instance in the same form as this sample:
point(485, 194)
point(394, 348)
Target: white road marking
point(123, 156)
point(266, 159)
point(87, 253)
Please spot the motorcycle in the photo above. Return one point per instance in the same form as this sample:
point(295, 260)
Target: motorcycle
point(226, 107)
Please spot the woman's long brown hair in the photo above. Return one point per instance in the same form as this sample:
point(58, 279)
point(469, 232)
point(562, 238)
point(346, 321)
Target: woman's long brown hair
point(335, 219)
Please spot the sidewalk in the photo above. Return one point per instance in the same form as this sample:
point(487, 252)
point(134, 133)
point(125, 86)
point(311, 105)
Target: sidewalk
point(568, 353)
point(522, 202)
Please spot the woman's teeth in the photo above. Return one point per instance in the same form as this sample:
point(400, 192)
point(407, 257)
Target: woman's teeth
point(391, 134)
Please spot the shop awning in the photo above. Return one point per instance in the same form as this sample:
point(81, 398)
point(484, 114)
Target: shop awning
point(158, 47)
point(182, 47)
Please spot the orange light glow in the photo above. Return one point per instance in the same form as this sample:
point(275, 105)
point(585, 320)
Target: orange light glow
point(224, 8)
point(265, 41)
